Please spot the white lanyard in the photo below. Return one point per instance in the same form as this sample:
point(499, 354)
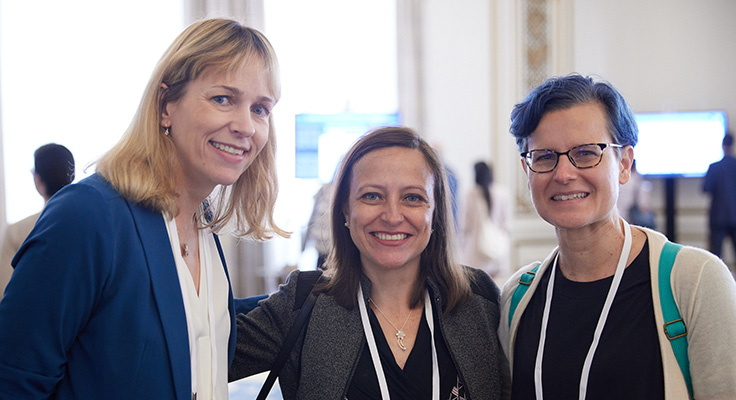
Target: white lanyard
point(382, 384)
point(601, 320)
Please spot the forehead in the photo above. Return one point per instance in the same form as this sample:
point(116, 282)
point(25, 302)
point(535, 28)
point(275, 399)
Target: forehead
point(566, 128)
point(240, 70)
point(393, 167)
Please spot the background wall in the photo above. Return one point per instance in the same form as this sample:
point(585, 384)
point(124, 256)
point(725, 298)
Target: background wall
point(663, 55)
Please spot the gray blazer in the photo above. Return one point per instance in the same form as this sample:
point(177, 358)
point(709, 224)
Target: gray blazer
point(324, 359)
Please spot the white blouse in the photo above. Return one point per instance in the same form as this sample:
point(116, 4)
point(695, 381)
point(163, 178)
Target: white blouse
point(207, 315)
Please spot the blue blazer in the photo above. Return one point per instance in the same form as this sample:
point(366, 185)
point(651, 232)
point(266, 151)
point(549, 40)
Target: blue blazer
point(94, 309)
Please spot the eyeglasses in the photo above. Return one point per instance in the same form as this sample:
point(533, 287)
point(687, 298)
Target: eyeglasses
point(582, 157)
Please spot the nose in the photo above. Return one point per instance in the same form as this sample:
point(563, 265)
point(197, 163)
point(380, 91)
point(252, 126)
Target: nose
point(243, 123)
point(392, 212)
point(565, 170)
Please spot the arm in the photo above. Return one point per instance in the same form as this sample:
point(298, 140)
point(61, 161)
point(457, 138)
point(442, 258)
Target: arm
point(246, 305)
point(261, 332)
point(706, 295)
point(58, 280)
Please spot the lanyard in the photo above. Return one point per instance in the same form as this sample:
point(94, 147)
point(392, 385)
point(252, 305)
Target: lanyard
point(382, 384)
point(601, 320)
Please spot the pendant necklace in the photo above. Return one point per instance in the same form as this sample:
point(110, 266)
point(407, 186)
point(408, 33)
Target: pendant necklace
point(400, 334)
point(376, 358)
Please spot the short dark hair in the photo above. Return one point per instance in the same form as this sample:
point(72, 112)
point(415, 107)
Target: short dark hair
point(728, 140)
point(437, 260)
point(560, 93)
point(54, 164)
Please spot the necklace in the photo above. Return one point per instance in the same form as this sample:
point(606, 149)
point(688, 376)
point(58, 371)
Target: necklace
point(185, 250)
point(400, 334)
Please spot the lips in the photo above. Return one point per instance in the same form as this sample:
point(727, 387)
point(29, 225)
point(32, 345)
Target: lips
point(574, 196)
point(227, 148)
point(386, 236)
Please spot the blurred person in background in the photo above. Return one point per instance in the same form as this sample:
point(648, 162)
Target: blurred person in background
point(720, 183)
point(486, 224)
point(53, 168)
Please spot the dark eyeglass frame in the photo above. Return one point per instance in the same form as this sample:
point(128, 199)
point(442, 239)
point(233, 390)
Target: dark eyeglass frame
point(527, 156)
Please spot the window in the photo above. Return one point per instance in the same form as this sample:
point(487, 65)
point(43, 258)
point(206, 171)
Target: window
point(73, 72)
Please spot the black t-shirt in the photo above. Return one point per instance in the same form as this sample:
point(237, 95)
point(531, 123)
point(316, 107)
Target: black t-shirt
point(415, 380)
point(627, 363)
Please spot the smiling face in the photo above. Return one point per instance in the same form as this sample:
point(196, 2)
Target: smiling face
point(572, 198)
point(390, 208)
point(219, 126)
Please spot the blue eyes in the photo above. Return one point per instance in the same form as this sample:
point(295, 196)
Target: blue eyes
point(261, 110)
point(257, 109)
point(221, 100)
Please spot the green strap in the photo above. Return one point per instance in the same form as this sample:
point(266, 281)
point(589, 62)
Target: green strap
point(524, 281)
point(674, 326)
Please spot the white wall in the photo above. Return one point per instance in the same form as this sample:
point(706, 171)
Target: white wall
point(663, 55)
point(457, 71)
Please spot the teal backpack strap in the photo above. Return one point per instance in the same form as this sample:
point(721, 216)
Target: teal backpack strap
point(674, 326)
point(524, 281)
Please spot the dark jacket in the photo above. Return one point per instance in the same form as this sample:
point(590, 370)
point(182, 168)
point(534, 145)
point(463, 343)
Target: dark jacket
point(323, 361)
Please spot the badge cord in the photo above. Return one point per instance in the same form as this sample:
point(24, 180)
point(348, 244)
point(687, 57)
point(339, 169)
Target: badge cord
point(382, 384)
point(625, 251)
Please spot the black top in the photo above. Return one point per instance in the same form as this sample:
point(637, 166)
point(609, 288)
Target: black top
point(415, 380)
point(627, 363)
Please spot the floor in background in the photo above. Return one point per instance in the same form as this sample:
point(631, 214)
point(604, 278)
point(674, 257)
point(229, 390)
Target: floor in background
point(248, 388)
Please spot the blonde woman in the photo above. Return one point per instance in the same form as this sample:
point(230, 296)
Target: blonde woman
point(121, 290)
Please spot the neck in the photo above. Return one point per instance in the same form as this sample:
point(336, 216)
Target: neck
point(589, 256)
point(392, 289)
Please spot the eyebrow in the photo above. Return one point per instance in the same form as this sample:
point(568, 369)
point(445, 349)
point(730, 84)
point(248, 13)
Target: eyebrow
point(381, 187)
point(237, 92)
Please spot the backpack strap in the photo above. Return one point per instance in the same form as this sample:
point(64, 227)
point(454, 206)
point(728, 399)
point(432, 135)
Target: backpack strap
point(525, 280)
point(674, 326)
point(304, 302)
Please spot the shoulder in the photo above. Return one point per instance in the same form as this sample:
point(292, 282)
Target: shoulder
point(18, 231)
point(482, 284)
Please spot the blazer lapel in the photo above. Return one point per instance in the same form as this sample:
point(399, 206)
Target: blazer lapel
point(167, 293)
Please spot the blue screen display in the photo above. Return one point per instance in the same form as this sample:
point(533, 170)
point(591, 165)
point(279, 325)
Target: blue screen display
point(679, 143)
point(322, 139)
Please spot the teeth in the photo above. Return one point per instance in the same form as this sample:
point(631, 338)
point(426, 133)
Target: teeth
point(228, 149)
point(398, 236)
point(570, 196)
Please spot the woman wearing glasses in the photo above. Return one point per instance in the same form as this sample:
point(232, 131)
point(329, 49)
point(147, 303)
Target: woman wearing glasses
point(588, 320)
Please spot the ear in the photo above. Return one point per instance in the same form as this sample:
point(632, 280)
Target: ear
point(526, 171)
point(165, 117)
point(627, 159)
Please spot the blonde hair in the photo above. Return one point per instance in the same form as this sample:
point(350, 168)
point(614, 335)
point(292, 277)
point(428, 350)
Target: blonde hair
point(140, 166)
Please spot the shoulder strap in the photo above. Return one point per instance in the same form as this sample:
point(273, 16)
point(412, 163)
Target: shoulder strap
point(674, 326)
point(525, 280)
point(288, 345)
